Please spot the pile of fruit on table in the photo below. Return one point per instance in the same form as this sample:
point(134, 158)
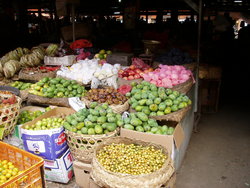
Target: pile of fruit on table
point(106, 95)
point(57, 87)
point(21, 85)
point(156, 101)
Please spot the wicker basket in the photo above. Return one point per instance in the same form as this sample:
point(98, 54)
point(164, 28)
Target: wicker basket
point(9, 116)
point(35, 99)
point(184, 87)
point(82, 146)
point(174, 116)
point(24, 94)
point(116, 108)
point(106, 178)
point(122, 81)
point(36, 76)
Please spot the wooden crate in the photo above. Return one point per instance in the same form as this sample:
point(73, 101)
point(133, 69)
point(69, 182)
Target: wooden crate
point(209, 92)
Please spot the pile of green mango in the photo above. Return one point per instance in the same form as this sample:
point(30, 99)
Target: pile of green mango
point(21, 85)
point(156, 101)
point(98, 119)
point(57, 87)
point(141, 122)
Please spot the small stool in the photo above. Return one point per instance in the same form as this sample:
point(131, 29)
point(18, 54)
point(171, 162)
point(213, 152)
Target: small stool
point(147, 58)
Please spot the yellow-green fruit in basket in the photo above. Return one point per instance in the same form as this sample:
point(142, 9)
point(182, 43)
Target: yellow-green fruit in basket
point(131, 159)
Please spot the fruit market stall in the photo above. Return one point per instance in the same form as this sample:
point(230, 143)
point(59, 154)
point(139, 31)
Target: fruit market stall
point(107, 124)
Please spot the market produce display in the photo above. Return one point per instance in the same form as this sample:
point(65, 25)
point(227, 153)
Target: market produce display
point(45, 124)
point(7, 171)
point(135, 71)
point(168, 76)
point(57, 87)
point(131, 159)
point(26, 115)
point(21, 85)
point(102, 54)
point(91, 72)
point(39, 69)
point(106, 95)
point(141, 122)
point(33, 58)
point(51, 50)
point(98, 119)
point(174, 57)
point(20, 57)
point(156, 101)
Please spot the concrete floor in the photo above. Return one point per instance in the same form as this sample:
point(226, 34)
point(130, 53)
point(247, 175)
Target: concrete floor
point(218, 155)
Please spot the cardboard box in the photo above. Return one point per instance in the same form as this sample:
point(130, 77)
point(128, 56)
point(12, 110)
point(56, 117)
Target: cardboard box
point(120, 58)
point(49, 144)
point(61, 169)
point(170, 142)
point(82, 173)
point(67, 60)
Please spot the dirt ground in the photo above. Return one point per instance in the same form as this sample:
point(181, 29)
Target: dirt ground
point(218, 155)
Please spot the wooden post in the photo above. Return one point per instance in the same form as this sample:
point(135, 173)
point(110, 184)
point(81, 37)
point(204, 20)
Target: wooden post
point(73, 20)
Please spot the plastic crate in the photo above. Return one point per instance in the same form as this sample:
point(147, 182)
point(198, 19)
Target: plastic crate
point(31, 165)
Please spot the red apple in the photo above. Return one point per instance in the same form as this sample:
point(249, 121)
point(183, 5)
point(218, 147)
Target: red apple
point(131, 78)
point(141, 74)
point(137, 76)
point(138, 70)
point(125, 74)
point(131, 73)
point(132, 67)
point(125, 78)
point(121, 71)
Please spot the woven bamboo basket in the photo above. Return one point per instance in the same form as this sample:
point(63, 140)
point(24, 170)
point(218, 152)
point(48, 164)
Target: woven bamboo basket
point(9, 115)
point(122, 81)
point(184, 87)
point(109, 179)
point(24, 94)
point(35, 99)
point(116, 108)
point(36, 76)
point(82, 146)
point(174, 116)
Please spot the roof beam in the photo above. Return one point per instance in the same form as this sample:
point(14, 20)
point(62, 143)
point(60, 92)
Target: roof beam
point(193, 5)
